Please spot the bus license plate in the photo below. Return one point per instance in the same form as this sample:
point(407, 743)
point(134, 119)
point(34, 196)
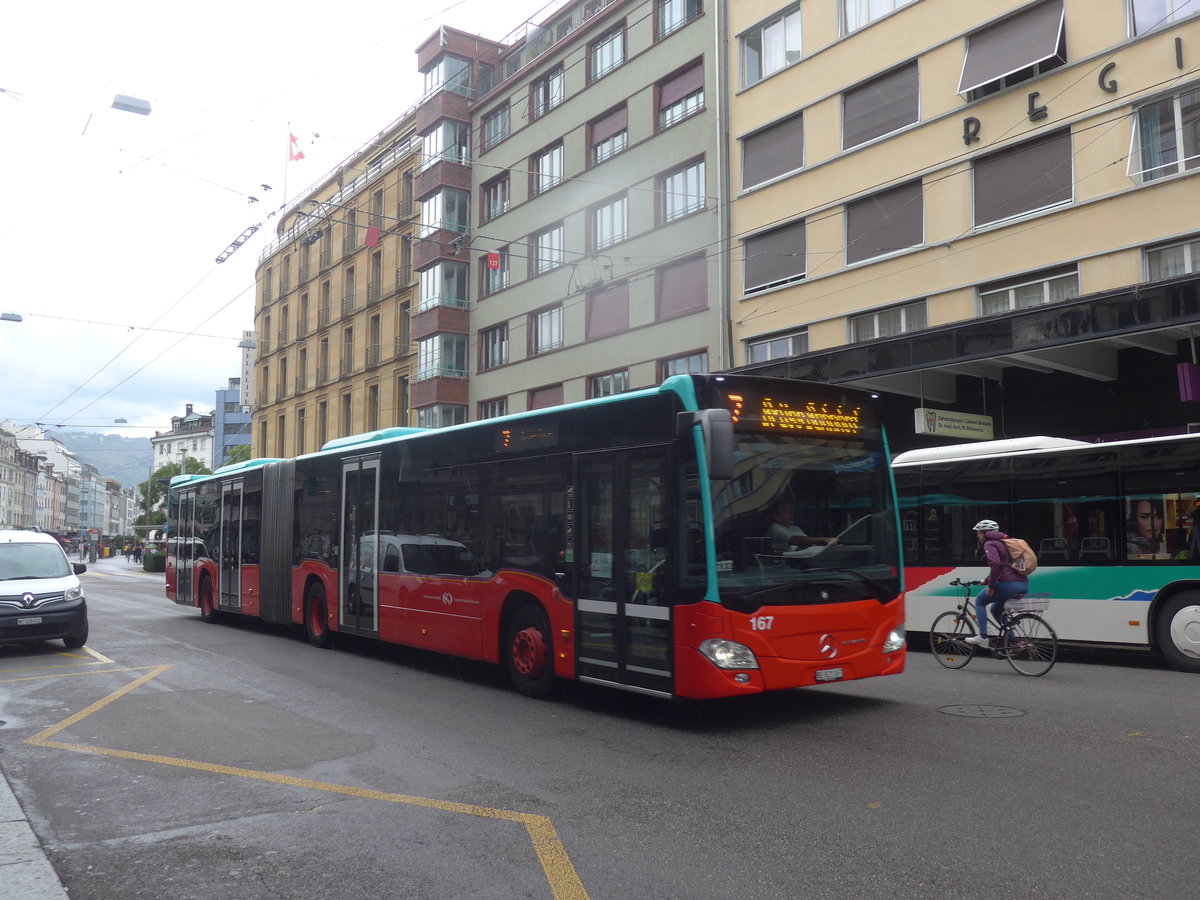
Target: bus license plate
point(830, 674)
point(30, 620)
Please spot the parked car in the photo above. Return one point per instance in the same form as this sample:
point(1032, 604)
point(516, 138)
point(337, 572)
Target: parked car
point(40, 594)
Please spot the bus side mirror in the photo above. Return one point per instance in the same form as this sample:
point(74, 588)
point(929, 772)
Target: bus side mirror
point(717, 428)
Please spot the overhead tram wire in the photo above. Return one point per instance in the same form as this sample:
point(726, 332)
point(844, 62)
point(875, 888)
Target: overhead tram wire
point(155, 359)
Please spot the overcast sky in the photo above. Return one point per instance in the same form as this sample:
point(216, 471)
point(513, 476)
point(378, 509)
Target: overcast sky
point(112, 220)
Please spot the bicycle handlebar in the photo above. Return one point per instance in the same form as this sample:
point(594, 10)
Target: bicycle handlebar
point(958, 582)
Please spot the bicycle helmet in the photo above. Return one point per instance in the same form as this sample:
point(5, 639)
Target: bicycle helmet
point(986, 525)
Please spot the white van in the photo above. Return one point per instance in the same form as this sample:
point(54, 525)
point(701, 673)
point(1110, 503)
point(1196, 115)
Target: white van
point(40, 594)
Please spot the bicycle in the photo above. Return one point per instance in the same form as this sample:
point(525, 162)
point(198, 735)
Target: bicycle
point(1023, 637)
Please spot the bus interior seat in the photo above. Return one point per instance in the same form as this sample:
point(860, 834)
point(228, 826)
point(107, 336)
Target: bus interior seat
point(1053, 550)
point(1095, 548)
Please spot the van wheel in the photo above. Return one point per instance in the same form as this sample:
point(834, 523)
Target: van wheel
point(1177, 631)
point(75, 641)
point(208, 609)
point(316, 612)
point(530, 652)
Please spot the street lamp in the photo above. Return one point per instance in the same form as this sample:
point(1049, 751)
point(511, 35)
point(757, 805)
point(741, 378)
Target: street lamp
point(11, 317)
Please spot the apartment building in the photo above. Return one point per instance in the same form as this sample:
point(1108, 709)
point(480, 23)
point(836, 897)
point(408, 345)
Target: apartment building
point(333, 353)
point(982, 208)
point(191, 437)
point(570, 231)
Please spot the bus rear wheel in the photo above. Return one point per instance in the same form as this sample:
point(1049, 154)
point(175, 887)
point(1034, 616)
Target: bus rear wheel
point(208, 609)
point(530, 652)
point(316, 612)
point(1177, 631)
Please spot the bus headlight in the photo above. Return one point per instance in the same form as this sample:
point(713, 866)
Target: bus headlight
point(728, 654)
point(895, 641)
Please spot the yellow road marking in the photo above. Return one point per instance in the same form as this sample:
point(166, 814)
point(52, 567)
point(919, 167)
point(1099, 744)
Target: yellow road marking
point(556, 864)
point(87, 669)
point(99, 656)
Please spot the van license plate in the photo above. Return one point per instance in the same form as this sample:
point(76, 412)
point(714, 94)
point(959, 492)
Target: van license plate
point(830, 674)
point(30, 620)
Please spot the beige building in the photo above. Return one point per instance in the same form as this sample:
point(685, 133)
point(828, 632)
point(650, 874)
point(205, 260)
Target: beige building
point(987, 208)
point(333, 354)
point(970, 207)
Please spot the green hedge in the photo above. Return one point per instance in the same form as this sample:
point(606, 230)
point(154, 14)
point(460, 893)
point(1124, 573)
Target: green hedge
point(154, 562)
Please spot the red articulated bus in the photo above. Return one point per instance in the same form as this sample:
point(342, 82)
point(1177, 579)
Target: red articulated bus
point(626, 541)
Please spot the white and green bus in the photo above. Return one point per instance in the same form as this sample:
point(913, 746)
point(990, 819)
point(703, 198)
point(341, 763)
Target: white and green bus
point(1111, 523)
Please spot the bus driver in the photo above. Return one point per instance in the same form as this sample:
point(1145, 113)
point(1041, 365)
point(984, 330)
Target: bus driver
point(787, 536)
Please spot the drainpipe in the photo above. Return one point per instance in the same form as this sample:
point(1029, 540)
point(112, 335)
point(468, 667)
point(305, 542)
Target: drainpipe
point(725, 325)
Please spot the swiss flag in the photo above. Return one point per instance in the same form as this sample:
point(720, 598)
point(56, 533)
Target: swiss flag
point(493, 260)
point(294, 151)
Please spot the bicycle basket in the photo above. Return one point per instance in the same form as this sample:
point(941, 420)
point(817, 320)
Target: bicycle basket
point(1029, 603)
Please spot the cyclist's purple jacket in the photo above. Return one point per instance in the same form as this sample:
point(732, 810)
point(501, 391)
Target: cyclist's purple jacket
point(997, 556)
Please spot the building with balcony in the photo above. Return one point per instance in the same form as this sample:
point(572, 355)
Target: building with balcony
point(333, 353)
point(982, 208)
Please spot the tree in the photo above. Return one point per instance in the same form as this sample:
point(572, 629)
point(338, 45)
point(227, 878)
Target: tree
point(238, 453)
point(156, 488)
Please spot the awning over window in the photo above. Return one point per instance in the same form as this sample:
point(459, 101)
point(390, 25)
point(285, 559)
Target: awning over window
point(610, 123)
point(1020, 41)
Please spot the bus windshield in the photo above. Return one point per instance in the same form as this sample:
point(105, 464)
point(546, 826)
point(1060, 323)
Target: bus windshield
point(805, 521)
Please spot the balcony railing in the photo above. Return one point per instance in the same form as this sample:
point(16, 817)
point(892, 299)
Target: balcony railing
point(283, 336)
point(347, 305)
point(323, 317)
point(301, 328)
point(280, 392)
point(403, 277)
point(304, 272)
point(373, 355)
point(322, 375)
point(301, 383)
point(404, 347)
point(264, 346)
point(326, 257)
point(262, 397)
point(345, 366)
point(349, 243)
point(374, 292)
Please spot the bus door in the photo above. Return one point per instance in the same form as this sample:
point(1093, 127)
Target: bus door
point(229, 557)
point(624, 621)
point(358, 580)
point(183, 539)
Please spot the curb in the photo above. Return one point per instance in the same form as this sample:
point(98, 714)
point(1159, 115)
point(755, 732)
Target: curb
point(25, 870)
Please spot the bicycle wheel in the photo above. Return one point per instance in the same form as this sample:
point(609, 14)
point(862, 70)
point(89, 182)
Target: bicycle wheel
point(1032, 645)
point(948, 639)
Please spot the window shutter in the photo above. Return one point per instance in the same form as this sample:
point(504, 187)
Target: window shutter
point(773, 151)
point(1022, 179)
point(880, 106)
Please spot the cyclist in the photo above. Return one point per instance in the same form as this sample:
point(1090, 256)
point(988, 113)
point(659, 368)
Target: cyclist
point(1003, 581)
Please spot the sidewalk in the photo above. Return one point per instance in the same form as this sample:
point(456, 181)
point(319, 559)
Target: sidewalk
point(25, 872)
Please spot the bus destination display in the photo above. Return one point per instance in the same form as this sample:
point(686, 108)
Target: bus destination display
point(795, 416)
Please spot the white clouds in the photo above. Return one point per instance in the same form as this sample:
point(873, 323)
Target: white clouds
point(114, 217)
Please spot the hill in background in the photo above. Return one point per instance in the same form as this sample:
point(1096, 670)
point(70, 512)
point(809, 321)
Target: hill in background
point(125, 459)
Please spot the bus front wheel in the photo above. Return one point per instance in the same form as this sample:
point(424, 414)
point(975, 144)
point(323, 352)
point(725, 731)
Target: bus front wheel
point(530, 652)
point(1177, 631)
point(316, 612)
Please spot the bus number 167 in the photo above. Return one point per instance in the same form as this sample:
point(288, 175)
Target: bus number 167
point(761, 623)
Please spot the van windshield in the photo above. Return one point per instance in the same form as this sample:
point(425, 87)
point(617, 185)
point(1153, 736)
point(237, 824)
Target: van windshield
point(19, 561)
